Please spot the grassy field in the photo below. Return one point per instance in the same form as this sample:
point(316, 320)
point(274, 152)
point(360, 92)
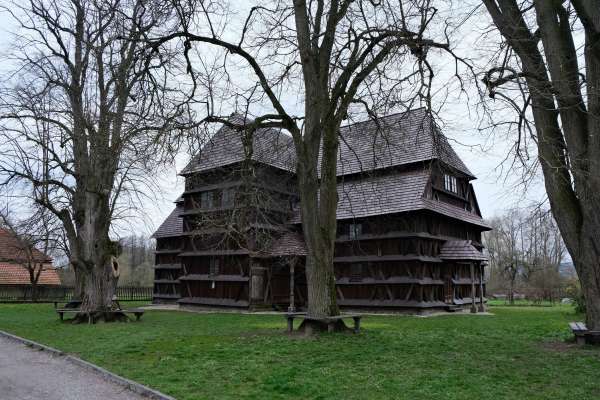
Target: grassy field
point(517, 353)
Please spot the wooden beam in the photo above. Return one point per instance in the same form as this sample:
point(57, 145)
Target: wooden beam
point(473, 308)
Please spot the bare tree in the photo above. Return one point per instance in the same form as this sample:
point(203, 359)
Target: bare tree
point(526, 250)
point(341, 57)
point(83, 119)
point(33, 240)
point(503, 245)
point(558, 104)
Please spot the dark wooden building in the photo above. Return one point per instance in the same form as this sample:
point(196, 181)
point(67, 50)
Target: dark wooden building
point(409, 227)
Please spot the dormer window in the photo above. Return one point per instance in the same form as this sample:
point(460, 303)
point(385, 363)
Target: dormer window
point(450, 183)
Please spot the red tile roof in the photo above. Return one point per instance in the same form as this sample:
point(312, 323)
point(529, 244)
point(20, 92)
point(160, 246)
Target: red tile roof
point(17, 274)
point(12, 250)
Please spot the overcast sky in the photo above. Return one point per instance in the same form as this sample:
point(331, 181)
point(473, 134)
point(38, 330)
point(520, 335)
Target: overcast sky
point(482, 152)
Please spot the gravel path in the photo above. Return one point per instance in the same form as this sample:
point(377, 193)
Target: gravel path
point(28, 374)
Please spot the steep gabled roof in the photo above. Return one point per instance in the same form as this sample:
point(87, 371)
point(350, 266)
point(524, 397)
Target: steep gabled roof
point(381, 194)
point(270, 146)
point(398, 139)
point(12, 250)
point(172, 226)
point(390, 194)
point(394, 140)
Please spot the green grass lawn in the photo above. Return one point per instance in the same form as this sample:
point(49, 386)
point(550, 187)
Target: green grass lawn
point(517, 353)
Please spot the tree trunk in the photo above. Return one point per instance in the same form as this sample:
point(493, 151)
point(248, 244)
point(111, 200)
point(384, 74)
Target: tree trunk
point(34, 292)
point(319, 203)
point(79, 284)
point(587, 264)
point(95, 262)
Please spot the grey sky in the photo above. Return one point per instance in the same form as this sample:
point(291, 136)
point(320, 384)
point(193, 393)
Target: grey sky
point(483, 153)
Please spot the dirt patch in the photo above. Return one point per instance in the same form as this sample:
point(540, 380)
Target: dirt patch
point(561, 346)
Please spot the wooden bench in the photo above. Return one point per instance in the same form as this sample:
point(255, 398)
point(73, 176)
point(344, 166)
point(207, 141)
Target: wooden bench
point(73, 304)
point(138, 312)
point(330, 321)
point(582, 334)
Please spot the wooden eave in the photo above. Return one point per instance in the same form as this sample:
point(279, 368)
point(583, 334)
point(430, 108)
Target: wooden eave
point(390, 235)
point(167, 251)
point(214, 253)
point(221, 185)
point(210, 301)
point(395, 257)
point(390, 303)
point(389, 281)
point(216, 278)
point(466, 281)
point(168, 266)
point(168, 281)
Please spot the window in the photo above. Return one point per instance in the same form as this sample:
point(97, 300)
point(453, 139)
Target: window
point(214, 267)
point(356, 272)
point(355, 231)
point(450, 183)
point(228, 197)
point(206, 199)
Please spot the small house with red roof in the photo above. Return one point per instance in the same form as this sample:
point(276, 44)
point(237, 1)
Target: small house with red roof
point(13, 263)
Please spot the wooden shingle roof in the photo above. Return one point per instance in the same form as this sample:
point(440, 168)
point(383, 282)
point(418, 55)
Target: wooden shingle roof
point(390, 194)
point(398, 139)
point(289, 244)
point(393, 140)
point(270, 146)
point(172, 226)
point(460, 250)
point(381, 194)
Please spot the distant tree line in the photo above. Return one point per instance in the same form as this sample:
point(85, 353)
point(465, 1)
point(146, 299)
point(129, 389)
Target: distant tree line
point(526, 252)
point(135, 263)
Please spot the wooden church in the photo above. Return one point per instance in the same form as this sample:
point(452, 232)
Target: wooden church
point(409, 227)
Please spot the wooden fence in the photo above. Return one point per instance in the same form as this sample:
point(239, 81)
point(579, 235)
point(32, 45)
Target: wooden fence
point(22, 293)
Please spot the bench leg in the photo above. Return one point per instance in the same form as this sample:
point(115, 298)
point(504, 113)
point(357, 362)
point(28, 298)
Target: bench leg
point(330, 327)
point(356, 324)
point(61, 317)
point(579, 339)
point(138, 316)
point(290, 325)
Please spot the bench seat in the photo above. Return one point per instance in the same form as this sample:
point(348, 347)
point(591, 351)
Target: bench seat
point(582, 334)
point(138, 312)
point(330, 321)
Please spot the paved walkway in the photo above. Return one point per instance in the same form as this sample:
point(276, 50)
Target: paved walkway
point(28, 374)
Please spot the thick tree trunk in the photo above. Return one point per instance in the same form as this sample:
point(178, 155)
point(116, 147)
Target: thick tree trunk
point(98, 270)
point(319, 203)
point(79, 284)
point(587, 264)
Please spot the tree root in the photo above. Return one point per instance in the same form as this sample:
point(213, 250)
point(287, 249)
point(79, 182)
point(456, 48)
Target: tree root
point(313, 326)
point(94, 317)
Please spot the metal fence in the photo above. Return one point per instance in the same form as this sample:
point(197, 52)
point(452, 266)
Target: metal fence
point(23, 293)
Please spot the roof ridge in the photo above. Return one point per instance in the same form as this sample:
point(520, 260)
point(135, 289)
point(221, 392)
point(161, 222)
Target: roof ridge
point(409, 111)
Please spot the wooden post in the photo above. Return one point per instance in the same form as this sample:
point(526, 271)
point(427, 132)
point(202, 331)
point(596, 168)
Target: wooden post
point(473, 308)
point(481, 305)
point(292, 307)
